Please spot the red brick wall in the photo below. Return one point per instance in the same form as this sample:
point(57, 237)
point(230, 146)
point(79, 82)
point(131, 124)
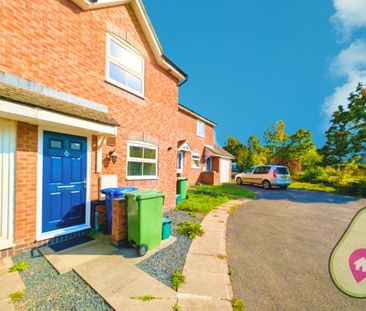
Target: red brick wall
point(26, 183)
point(188, 131)
point(56, 44)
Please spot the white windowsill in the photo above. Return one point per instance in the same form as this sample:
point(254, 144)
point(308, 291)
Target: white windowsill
point(141, 178)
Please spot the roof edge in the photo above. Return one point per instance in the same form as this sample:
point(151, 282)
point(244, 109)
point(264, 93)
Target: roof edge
point(195, 114)
point(147, 27)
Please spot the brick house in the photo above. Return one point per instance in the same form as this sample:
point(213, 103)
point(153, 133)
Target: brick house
point(86, 93)
point(199, 158)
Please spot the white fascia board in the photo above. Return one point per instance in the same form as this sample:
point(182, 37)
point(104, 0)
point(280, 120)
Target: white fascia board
point(35, 115)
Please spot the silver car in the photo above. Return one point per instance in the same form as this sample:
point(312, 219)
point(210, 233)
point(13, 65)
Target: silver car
point(266, 176)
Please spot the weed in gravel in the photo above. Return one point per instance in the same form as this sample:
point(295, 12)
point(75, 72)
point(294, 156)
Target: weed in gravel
point(146, 298)
point(176, 307)
point(190, 229)
point(16, 296)
point(237, 304)
point(177, 279)
point(20, 266)
point(192, 214)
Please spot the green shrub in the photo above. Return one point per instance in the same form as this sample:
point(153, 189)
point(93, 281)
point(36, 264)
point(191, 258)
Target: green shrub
point(20, 266)
point(237, 304)
point(177, 279)
point(190, 229)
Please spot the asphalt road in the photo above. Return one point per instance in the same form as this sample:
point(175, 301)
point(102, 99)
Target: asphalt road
point(279, 246)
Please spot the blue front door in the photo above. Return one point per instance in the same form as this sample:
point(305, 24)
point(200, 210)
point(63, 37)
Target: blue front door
point(64, 181)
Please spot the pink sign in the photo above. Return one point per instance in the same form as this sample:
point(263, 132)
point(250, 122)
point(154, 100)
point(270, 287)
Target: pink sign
point(357, 264)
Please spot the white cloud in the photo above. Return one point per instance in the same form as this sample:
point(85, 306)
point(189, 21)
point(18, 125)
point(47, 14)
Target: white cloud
point(350, 66)
point(350, 15)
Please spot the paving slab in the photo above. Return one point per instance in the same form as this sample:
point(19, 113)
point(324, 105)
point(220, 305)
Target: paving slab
point(70, 258)
point(204, 304)
point(10, 282)
point(206, 263)
point(207, 285)
point(138, 305)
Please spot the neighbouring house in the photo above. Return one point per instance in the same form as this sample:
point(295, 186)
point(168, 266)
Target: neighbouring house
point(86, 91)
point(199, 158)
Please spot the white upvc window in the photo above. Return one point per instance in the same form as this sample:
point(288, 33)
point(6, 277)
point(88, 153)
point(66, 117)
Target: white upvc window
point(201, 128)
point(142, 161)
point(125, 67)
point(196, 160)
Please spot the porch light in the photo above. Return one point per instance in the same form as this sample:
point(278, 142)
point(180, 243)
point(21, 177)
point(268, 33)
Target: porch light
point(113, 156)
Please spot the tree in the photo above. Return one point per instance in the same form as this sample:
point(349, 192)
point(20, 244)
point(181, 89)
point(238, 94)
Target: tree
point(258, 155)
point(299, 144)
point(233, 146)
point(276, 139)
point(346, 136)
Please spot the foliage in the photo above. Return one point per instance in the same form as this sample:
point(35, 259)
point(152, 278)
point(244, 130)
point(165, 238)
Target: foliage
point(237, 304)
point(312, 187)
point(177, 279)
point(16, 296)
point(279, 148)
point(346, 136)
point(20, 266)
point(145, 298)
point(190, 229)
point(203, 198)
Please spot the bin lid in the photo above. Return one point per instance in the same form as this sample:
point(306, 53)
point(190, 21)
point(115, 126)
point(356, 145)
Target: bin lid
point(166, 220)
point(116, 191)
point(182, 178)
point(145, 194)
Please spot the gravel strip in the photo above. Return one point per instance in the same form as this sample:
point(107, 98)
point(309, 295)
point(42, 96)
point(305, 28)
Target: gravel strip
point(48, 290)
point(164, 263)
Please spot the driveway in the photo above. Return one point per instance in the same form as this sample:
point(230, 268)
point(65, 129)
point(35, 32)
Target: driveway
point(279, 246)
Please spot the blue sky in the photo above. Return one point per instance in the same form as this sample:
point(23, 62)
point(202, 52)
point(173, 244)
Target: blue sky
point(258, 62)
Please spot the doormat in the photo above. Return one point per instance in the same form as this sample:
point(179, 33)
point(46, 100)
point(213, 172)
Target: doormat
point(70, 243)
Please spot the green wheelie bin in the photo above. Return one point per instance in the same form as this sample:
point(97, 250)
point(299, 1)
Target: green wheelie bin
point(145, 218)
point(182, 187)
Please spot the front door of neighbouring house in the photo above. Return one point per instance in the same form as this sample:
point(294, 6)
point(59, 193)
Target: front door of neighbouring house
point(7, 182)
point(224, 170)
point(64, 181)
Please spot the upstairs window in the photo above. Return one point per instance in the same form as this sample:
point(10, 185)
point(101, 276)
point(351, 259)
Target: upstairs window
point(201, 128)
point(125, 67)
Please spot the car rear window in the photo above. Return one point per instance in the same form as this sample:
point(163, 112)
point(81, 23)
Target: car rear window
point(282, 170)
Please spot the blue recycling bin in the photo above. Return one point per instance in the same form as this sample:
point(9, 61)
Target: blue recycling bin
point(110, 194)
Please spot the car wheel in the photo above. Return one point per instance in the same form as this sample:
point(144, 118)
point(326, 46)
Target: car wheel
point(266, 185)
point(239, 181)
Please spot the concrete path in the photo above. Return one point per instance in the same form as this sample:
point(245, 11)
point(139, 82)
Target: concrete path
point(10, 282)
point(113, 274)
point(207, 285)
point(279, 246)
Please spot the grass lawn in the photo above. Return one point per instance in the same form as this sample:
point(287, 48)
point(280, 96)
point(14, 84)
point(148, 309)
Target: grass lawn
point(309, 186)
point(203, 198)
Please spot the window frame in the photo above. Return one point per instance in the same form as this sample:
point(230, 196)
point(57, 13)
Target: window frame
point(199, 161)
point(198, 129)
point(111, 59)
point(142, 160)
